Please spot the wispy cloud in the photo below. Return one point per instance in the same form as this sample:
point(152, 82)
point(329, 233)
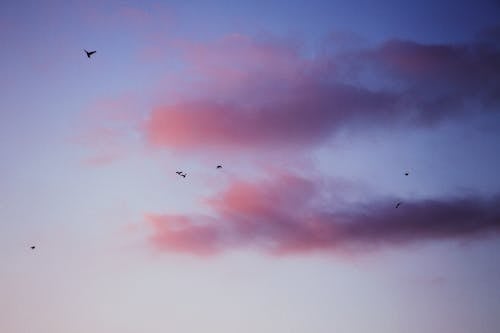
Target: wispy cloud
point(106, 129)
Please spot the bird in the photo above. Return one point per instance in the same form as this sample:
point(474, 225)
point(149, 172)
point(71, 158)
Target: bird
point(407, 173)
point(219, 167)
point(32, 247)
point(178, 172)
point(398, 204)
point(184, 175)
point(89, 53)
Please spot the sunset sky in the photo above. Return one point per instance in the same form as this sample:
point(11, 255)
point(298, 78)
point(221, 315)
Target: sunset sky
point(315, 110)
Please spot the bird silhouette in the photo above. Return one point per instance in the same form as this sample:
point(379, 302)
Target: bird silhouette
point(184, 175)
point(219, 167)
point(407, 173)
point(32, 247)
point(398, 204)
point(89, 53)
point(178, 172)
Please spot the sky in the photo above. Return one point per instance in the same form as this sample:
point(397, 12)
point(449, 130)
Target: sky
point(314, 109)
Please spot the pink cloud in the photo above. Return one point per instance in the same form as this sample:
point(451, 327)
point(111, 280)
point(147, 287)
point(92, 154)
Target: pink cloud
point(101, 160)
point(250, 93)
point(235, 57)
point(308, 116)
point(291, 215)
point(106, 129)
point(177, 234)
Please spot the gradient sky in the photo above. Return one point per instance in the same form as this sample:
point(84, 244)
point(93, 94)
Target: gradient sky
point(315, 109)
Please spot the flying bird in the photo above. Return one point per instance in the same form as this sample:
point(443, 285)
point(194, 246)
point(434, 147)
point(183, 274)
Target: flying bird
point(407, 173)
point(32, 247)
point(178, 172)
point(89, 53)
point(219, 167)
point(184, 175)
point(398, 204)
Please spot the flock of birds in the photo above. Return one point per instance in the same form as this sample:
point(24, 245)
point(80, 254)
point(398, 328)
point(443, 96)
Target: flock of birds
point(181, 173)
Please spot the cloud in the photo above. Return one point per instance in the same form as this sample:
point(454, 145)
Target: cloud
point(291, 215)
point(441, 80)
point(174, 233)
point(106, 129)
point(246, 93)
point(101, 160)
point(211, 124)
